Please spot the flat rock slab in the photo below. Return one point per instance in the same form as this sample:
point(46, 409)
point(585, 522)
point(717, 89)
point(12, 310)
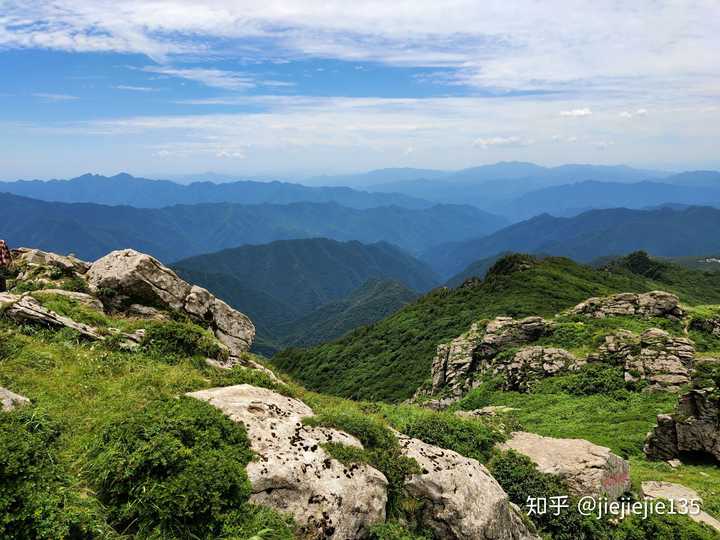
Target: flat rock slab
point(682, 495)
point(293, 473)
point(462, 500)
point(11, 400)
point(588, 469)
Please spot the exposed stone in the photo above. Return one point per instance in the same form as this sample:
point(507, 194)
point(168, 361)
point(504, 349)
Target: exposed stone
point(710, 326)
point(652, 304)
point(462, 500)
point(490, 410)
point(138, 278)
point(10, 400)
point(36, 257)
point(587, 469)
point(663, 361)
point(687, 500)
point(26, 309)
point(146, 312)
point(693, 429)
point(533, 363)
point(81, 298)
point(456, 362)
point(292, 472)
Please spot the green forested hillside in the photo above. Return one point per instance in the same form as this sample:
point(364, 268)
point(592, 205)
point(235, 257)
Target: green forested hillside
point(390, 359)
point(280, 283)
point(373, 301)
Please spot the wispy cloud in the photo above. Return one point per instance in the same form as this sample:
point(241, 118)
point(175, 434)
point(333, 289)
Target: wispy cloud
point(54, 98)
point(131, 88)
point(560, 46)
point(633, 114)
point(498, 141)
point(218, 78)
point(577, 113)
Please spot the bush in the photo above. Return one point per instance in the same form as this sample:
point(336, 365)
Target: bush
point(36, 500)
point(662, 527)
point(393, 530)
point(253, 522)
point(590, 379)
point(174, 468)
point(469, 438)
point(174, 339)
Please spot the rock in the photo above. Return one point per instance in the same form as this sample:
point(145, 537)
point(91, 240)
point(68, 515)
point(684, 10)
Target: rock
point(462, 500)
point(587, 469)
point(293, 474)
point(26, 309)
point(710, 326)
point(81, 298)
point(438, 404)
point(36, 257)
point(146, 312)
point(674, 463)
point(663, 361)
point(688, 501)
point(693, 429)
point(137, 278)
point(11, 401)
point(458, 361)
point(646, 305)
point(490, 410)
point(533, 363)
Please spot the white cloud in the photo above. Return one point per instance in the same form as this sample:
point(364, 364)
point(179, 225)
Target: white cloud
point(559, 45)
point(228, 80)
point(497, 141)
point(633, 114)
point(577, 113)
point(54, 98)
point(131, 88)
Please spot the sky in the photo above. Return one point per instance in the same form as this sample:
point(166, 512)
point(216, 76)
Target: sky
point(300, 87)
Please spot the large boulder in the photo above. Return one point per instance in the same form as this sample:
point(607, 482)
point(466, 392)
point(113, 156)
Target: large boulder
point(661, 360)
point(462, 500)
point(10, 400)
point(646, 305)
point(687, 500)
point(26, 257)
point(293, 473)
point(136, 278)
point(694, 429)
point(586, 468)
point(531, 364)
point(456, 362)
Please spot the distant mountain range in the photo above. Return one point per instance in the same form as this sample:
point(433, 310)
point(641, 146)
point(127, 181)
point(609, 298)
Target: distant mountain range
point(573, 199)
point(301, 291)
point(124, 189)
point(662, 232)
point(173, 233)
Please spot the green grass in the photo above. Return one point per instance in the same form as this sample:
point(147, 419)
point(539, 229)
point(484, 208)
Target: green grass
point(618, 421)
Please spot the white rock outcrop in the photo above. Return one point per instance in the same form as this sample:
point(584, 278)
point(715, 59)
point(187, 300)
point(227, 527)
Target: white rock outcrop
point(292, 473)
point(688, 501)
point(136, 278)
point(462, 500)
point(586, 468)
point(10, 400)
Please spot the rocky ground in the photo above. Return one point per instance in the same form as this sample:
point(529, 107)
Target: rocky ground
point(95, 344)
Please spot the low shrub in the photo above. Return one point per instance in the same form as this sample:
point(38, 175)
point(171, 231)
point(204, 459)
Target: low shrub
point(393, 530)
point(36, 498)
point(174, 468)
point(469, 438)
point(590, 379)
point(252, 522)
point(175, 339)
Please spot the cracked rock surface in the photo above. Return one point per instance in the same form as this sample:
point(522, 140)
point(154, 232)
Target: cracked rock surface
point(292, 473)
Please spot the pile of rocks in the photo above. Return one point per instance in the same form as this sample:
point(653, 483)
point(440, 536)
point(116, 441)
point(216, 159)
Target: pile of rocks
point(663, 361)
point(646, 305)
point(694, 428)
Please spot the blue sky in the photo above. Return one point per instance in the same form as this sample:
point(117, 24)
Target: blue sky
point(300, 87)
